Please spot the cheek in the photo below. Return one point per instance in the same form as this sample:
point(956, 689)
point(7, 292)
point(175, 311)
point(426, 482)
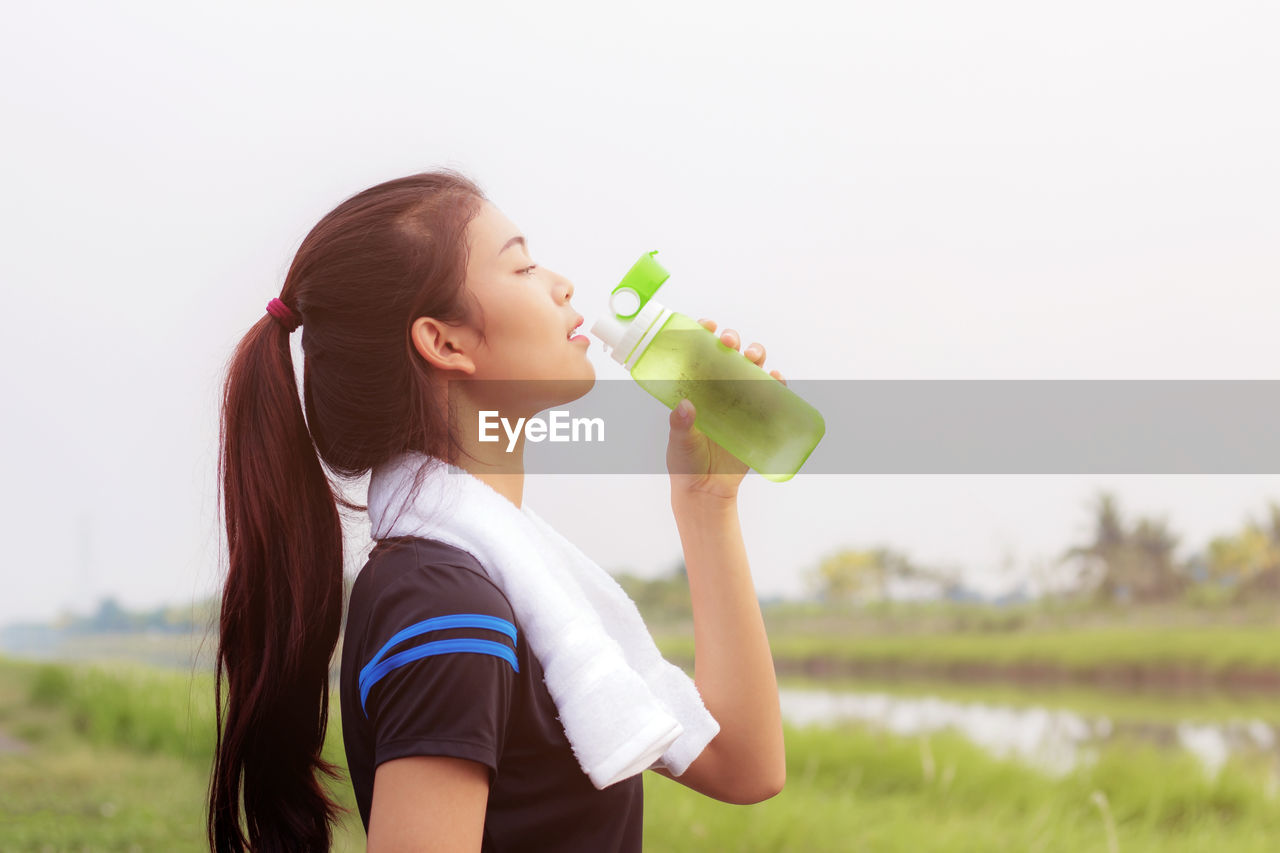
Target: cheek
point(523, 333)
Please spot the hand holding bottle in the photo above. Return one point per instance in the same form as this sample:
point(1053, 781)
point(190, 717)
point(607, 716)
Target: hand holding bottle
point(699, 466)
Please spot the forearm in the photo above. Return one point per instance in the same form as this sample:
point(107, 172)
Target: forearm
point(733, 666)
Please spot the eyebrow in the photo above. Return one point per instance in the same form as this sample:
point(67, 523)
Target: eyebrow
point(512, 242)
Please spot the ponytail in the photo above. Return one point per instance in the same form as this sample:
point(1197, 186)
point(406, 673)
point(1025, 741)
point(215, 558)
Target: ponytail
point(382, 258)
point(281, 610)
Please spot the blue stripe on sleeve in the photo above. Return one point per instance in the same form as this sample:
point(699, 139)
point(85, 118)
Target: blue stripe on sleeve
point(440, 623)
point(438, 647)
point(376, 668)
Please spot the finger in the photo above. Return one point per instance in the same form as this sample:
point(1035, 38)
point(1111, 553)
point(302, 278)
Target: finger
point(755, 353)
point(682, 415)
point(778, 376)
point(730, 338)
point(709, 325)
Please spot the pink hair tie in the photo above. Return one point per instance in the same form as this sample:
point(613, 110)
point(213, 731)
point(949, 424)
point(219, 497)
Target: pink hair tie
point(284, 315)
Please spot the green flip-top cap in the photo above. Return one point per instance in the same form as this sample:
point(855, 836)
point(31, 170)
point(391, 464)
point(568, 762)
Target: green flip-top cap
point(637, 286)
point(634, 310)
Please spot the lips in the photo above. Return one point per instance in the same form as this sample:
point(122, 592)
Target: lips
point(575, 326)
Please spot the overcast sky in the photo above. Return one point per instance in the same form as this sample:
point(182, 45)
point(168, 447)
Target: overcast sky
point(873, 190)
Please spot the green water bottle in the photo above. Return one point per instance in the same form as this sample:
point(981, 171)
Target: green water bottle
point(738, 405)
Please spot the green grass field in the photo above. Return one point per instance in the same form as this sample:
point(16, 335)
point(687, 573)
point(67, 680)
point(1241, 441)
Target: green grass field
point(853, 790)
point(116, 758)
point(1214, 653)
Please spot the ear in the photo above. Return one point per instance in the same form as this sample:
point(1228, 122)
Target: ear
point(443, 346)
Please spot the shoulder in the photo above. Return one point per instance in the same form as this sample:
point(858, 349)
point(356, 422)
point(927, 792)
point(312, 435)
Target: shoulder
point(420, 587)
point(412, 577)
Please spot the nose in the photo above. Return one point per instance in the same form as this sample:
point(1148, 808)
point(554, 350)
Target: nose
point(567, 286)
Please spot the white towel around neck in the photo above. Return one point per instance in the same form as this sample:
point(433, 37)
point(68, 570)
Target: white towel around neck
point(624, 707)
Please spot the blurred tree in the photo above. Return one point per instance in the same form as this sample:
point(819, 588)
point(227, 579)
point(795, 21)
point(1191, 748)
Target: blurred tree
point(849, 575)
point(1135, 564)
point(863, 575)
point(110, 618)
point(1249, 559)
point(660, 599)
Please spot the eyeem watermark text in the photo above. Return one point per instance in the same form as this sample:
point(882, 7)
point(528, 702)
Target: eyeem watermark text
point(540, 429)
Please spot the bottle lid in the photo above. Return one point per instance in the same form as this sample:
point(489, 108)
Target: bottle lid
point(637, 286)
point(633, 312)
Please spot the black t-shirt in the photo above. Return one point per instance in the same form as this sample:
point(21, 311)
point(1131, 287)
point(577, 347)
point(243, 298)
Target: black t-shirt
point(435, 663)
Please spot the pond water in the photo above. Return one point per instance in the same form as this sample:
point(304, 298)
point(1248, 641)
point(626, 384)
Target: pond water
point(1053, 739)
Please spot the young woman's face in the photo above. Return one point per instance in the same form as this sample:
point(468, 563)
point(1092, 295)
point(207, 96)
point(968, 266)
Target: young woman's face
point(527, 316)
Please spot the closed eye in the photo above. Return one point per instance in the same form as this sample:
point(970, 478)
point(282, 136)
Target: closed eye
point(529, 269)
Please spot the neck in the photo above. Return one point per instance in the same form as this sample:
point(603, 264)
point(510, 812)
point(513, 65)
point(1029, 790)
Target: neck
point(489, 461)
point(510, 486)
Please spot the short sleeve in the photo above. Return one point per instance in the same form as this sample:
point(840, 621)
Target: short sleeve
point(440, 666)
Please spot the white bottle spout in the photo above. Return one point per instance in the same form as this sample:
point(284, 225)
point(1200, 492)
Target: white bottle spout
point(626, 340)
point(609, 331)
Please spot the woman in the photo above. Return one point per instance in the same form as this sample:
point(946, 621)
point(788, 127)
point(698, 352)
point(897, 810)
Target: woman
point(413, 296)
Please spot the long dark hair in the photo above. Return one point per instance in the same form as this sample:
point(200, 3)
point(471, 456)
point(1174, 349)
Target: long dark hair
point(382, 258)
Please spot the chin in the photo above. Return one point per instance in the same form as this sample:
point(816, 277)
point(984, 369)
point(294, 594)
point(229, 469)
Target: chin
point(571, 388)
